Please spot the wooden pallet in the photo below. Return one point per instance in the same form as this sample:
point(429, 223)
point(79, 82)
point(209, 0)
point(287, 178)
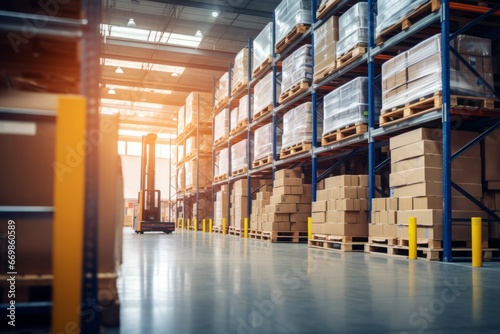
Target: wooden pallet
point(284, 236)
point(258, 70)
point(296, 89)
point(383, 241)
point(325, 8)
point(239, 171)
point(422, 106)
point(320, 75)
point(238, 86)
point(267, 110)
point(337, 245)
point(428, 254)
point(343, 134)
point(219, 104)
point(255, 234)
point(293, 35)
point(239, 127)
point(217, 229)
point(220, 140)
point(438, 244)
point(351, 56)
point(295, 149)
point(236, 231)
point(220, 177)
point(406, 22)
point(262, 161)
point(474, 103)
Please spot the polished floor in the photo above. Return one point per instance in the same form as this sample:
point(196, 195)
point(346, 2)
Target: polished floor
point(194, 282)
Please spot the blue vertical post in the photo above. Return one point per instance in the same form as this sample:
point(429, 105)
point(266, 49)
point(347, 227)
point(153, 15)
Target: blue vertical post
point(249, 145)
point(229, 155)
point(274, 119)
point(314, 162)
point(371, 105)
point(213, 149)
point(446, 126)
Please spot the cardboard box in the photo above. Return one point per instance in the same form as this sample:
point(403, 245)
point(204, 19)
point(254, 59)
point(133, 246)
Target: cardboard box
point(392, 217)
point(285, 190)
point(417, 175)
point(414, 136)
point(428, 202)
point(269, 226)
point(417, 149)
point(319, 206)
point(352, 230)
point(283, 208)
point(363, 204)
point(423, 232)
point(287, 173)
point(378, 204)
point(317, 228)
point(405, 203)
point(299, 217)
point(376, 230)
point(390, 231)
point(322, 195)
point(362, 192)
point(419, 190)
point(288, 181)
point(263, 195)
point(298, 226)
point(432, 161)
point(331, 205)
point(391, 203)
point(303, 208)
point(424, 217)
point(345, 204)
point(305, 198)
point(375, 217)
point(318, 217)
point(384, 217)
point(285, 199)
point(278, 217)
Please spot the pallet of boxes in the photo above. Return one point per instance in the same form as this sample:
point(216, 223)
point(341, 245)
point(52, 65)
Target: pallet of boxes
point(340, 213)
point(221, 209)
point(417, 191)
point(284, 219)
point(239, 204)
point(492, 181)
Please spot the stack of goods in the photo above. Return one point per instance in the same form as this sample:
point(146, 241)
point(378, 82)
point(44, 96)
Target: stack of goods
point(222, 164)
point(341, 208)
point(180, 154)
point(239, 157)
point(263, 142)
point(297, 68)
point(353, 28)
point(221, 207)
point(262, 48)
point(234, 119)
point(384, 218)
point(239, 202)
point(416, 73)
point(390, 12)
point(297, 127)
point(181, 179)
point(347, 105)
point(198, 173)
point(180, 120)
point(222, 91)
point(262, 199)
point(240, 71)
point(243, 111)
point(221, 126)
point(263, 95)
point(202, 210)
point(203, 145)
point(290, 203)
point(492, 178)
point(288, 15)
point(198, 109)
point(416, 180)
point(325, 46)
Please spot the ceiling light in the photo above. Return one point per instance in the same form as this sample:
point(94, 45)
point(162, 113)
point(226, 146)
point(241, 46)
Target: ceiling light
point(131, 23)
point(215, 14)
point(175, 74)
point(111, 91)
point(198, 34)
point(119, 70)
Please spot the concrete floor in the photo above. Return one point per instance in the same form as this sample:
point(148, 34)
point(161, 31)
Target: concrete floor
point(208, 283)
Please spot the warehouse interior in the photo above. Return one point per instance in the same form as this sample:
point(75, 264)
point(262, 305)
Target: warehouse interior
point(249, 166)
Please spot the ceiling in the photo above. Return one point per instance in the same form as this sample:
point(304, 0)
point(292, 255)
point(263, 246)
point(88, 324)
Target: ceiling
point(165, 41)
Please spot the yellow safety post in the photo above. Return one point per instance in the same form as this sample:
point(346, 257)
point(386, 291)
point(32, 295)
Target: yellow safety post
point(223, 225)
point(210, 226)
point(412, 238)
point(188, 224)
point(203, 225)
point(195, 224)
point(182, 223)
point(477, 247)
point(69, 213)
point(245, 226)
point(309, 228)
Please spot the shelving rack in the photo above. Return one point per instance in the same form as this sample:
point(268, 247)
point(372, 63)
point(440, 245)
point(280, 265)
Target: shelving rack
point(368, 144)
point(75, 26)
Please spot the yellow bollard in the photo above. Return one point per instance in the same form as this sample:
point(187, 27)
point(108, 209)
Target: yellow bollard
point(245, 226)
point(188, 225)
point(203, 226)
point(309, 228)
point(182, 223)
point(210, 226)
point(195, 224)
point(412, 238)
point(477, 247)
point(223, 225)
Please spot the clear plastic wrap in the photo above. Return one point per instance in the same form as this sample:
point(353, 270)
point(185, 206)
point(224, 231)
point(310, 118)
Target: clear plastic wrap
point(393, 11)
point(198, 107)
point(181, 178)
point(221, 92)
point(204, 144)
point(239, 155)
point(263, 141)
point(180, 153)
point(198, 178)
point(297, 67)
point(234, 118)
point(221, 125)
point(262, 46)
point(180, 120)
point(243, 109)
point(263, 93)
point(240, 69)
point(353, 28)
point(222, 162)
point(288, 14)
point(416, 73)
point(347, 105)
point(297, 126)
point(325, 44)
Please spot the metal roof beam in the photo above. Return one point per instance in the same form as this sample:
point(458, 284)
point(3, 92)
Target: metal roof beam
point(134, 83)
point(220, 8)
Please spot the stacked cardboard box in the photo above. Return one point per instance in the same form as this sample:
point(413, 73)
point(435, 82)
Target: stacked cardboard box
point(341, 208)
point(240, 70)
point(353, 28)
point(222, 91)
point(239, 201)
point(262, 198)
point(202, 210)
point(221, 207)
point(384, 218)
point(290, 203)
point(198, 173)
point(198, 109)
point(204, 144)
point(325, 45)
point(416, 180)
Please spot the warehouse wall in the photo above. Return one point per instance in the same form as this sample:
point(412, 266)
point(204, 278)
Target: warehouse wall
point(131, 166)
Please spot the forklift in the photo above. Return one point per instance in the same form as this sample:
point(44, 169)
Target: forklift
point(147, 214)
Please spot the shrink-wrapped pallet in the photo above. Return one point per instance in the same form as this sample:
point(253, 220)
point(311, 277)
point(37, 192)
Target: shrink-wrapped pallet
point(297, 67)
point(262, 46)
point(263, 93)
point(263, 141)
point(353, 28)
point(221, 125)
point(290, 13)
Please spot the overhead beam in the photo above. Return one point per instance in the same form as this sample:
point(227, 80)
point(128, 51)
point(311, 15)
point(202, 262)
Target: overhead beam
point(219, 8)
point(171, 48)
point(110, 55)
point(165, 124)
point(134, 83)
